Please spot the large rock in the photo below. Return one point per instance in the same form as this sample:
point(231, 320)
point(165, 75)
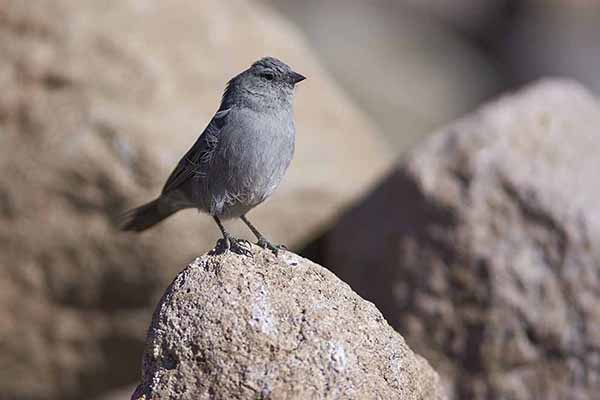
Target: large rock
point(98, 101)
point(482, 247)
point(262, 327)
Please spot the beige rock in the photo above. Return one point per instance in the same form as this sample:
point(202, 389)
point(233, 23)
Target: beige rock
point(482, 247)
point(98, 102)
point(266, 327)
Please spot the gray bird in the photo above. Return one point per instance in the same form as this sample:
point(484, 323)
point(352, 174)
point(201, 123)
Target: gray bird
point(239, 159)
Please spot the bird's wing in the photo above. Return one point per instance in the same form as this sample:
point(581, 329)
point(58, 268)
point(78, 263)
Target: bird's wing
point(197, 159)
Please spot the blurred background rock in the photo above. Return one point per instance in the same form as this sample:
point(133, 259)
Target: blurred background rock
point(99, 99)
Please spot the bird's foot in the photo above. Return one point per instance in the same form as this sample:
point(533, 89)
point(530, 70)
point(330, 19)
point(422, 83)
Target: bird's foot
point(238, 246)
point(275, 248)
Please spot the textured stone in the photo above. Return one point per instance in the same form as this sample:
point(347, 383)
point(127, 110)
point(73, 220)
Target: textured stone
point(266, 327)
point(98, 101)
point(482, 247)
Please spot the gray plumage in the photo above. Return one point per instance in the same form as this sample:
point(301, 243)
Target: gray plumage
point(239, 159)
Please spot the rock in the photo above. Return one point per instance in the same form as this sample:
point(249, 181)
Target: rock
point(261, 327)
point(98, 102)
point(481, 247)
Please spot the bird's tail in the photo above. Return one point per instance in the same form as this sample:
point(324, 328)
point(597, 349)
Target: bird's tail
point(145, 216)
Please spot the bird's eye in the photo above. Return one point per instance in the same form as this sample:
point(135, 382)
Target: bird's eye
point(268, 76)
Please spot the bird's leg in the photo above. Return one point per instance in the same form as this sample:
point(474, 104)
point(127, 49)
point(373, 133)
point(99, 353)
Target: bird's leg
point(230, 243)
point(262, 241)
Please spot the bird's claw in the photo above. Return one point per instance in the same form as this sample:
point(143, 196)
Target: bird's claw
point(275, 248)
point(238, 246)
point(241, 247)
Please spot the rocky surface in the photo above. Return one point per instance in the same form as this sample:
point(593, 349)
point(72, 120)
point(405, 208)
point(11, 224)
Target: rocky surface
point(262, 327)
point(98, 101)
point(481, 248)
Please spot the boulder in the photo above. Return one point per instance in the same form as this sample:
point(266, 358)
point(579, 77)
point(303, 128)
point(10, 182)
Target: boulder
point(481, 248)
point(98, 101)
point(267, 327)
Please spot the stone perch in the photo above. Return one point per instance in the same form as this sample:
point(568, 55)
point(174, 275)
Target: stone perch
point(266, 327)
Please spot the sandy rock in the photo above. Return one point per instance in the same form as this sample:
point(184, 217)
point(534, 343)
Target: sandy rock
point(98, 101)
point(482, 247)
point(266, 327)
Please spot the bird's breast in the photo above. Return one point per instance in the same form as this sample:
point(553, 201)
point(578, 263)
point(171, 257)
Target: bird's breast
point(255, 154)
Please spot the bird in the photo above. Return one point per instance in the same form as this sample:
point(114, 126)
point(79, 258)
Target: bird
point(239, 159)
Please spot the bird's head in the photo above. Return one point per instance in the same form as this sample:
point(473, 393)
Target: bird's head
point(272, 72)
point(268, 82)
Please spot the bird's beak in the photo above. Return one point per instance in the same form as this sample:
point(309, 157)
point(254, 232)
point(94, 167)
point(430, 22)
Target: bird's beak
point(296, 77)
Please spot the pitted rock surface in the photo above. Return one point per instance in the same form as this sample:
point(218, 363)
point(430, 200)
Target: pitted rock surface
point(235, 327)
